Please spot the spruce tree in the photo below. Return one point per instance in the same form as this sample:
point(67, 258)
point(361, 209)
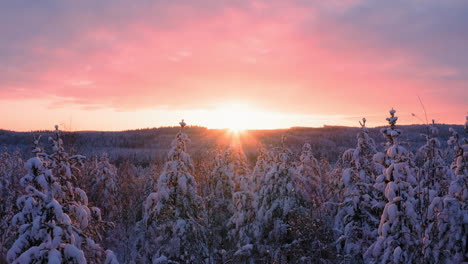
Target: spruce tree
point(358, 216)
point(445, 237)
point(104, 187)
point(55, 220)
point(173, 221)
point(310, 177)
point(219, 205)
point(229, 176)
point(242, 225)
point(11, 170)
point(435, 177)
point(399, 229)
point(279, 205)
point(263, 164)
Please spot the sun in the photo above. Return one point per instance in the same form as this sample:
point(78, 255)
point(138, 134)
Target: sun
point(237, 128)
point(235, 117)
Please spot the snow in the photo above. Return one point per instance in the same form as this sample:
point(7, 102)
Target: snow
point(82, 195)
point(392, 212)
point(56, 207)
point(391, 190)
point(160, 260)
point(183, 184)
point(347, 177)
point(82, 213)
point(379, 157)
point(33, 164)
point(54, 257)
point(397, 255)
point(396, 151)
point(73, 253)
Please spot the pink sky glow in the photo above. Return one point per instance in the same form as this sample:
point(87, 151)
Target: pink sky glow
point(117, 65)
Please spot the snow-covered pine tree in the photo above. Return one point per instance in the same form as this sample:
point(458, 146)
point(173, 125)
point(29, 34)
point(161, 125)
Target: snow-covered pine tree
point(104, 187)
point(74, 199)
point(280, 208)
point(460, 147)
point(433, 183)
point(173, 230)
point(263, 164)
point(11, 171)
point(333, 184)
point(241, 174)
point(458, 187)
point(466, 124)
point(151, 176)
point(358, 216)
point(310, 177)
point(130, 199)
point(130, 190)
point(229, 175)
point(87, 172)
point(219, 205)
point(242, 224)
point(400, 227)
point(435, 176)
point(46, 233)
point(445, 237)
point(204, 162)
point(53, 213)
point(446, 234)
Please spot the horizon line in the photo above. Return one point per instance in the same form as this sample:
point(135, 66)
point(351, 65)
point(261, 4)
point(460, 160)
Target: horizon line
point(207, 128)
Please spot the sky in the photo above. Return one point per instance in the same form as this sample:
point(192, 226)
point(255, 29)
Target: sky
point(114, 64)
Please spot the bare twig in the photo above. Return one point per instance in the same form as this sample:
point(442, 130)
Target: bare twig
point(424, 109)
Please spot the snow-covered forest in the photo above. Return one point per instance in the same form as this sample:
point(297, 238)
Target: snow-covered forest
point(395, 194)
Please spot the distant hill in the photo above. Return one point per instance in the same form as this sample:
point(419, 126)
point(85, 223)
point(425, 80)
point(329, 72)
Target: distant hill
point(145, 145)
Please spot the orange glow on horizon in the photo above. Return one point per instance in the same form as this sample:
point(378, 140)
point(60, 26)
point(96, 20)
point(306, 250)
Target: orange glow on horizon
point(274, 65)
point(234, 116)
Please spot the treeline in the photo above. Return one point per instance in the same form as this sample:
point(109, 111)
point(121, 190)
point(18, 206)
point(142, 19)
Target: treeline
point(145, 146)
